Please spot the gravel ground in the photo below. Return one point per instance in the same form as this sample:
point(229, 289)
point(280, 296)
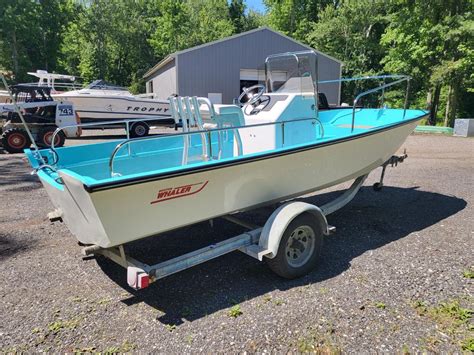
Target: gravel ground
point(396, 276)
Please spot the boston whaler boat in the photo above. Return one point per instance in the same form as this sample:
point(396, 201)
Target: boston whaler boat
point(278, 145)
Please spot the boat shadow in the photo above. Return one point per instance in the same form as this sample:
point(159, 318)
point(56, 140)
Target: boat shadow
point(370, 221)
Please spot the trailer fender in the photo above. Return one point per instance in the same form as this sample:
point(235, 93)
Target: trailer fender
point(276, 225)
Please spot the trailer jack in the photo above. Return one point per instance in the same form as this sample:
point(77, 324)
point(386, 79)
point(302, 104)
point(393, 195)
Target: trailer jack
point(393, 162)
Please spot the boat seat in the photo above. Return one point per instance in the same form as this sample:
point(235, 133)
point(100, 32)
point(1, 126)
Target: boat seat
point(226, 115)
point(227, 109)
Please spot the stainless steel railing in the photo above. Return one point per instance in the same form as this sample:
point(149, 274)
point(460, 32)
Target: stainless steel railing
point(128, 124)
point(208, 133)
point(401, 78)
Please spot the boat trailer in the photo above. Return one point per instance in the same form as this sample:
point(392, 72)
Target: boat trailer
point(258, 242)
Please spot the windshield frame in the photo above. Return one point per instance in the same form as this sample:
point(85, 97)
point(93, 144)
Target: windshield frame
point(313, 59)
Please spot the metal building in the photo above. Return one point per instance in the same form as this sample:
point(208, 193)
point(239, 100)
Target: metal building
point(220, 69)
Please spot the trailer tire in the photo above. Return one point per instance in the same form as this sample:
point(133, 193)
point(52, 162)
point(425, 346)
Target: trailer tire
point(45, 137)
point(139, 129)
point(299, 249)
point(15, 140)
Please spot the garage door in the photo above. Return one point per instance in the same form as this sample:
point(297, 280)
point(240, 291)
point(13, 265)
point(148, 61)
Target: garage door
point(250, 77)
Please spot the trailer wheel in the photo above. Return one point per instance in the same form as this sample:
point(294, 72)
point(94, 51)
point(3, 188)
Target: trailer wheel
point(300, 248)
point(14, 140)
point(45, 137)
point(139, 129)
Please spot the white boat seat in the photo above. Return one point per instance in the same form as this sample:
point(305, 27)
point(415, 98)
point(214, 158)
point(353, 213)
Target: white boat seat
point(227, 109)
point(226, 115)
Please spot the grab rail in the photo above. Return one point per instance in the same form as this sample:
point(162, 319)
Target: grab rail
point(382, 87)
point(369, 77)
point(95, 124)
point(208, 132)
point(401, 78)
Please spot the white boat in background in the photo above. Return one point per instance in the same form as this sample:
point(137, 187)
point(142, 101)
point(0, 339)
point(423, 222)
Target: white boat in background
point(100, 101)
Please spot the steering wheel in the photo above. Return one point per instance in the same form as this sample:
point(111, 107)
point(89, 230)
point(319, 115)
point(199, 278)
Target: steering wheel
point(253, 94)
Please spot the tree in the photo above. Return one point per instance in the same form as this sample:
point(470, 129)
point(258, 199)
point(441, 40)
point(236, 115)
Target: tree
point(294, 17)
point(19, 29)
point(209, 20)
point(430, 41)
point(351, 34)
point(237, 15)
point(109, 40)
point(183, 24)
point(31, 34)
point(172, 27)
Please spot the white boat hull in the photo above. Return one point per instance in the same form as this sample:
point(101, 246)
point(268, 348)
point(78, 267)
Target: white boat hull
point(103, 217)
point(102, 108)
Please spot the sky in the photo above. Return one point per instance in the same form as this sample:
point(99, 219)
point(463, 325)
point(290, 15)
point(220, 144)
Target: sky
point(255, 5)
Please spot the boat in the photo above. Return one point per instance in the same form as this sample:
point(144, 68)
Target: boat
point(276, 145)
point(277, 150)
point(101, 101)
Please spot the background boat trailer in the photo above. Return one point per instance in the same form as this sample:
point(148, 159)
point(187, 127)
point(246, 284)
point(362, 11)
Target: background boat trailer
point(258, 242)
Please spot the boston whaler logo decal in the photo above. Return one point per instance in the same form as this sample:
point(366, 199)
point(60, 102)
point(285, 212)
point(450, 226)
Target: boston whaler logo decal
point(179, 191)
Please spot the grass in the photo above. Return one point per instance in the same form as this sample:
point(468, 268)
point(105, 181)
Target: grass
point(316, 343)
point(57, 326)
point(170, 327)
point(468, 345)
point(278, 302)
point(452, 319)
point(323, 290)
point(380, 305)
point(452, 312)
point(235, 311)
point(447, 313)
point(104, 301)
point(405, 349)
point(267, 298)
point(125, 347)
point(469, 274)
